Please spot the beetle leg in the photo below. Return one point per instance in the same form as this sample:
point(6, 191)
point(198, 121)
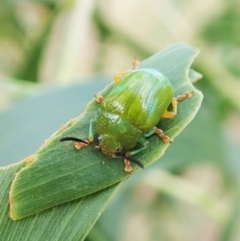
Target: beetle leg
point(98, 98)
point(128, 168)
point(79, 143)
point(90, 132)
point(162, 136)
point(117, 77)
point(171, 114)
point(184, 96)
point(128, 159)
point(144, 143)
point(160, 133)
point(135, 63)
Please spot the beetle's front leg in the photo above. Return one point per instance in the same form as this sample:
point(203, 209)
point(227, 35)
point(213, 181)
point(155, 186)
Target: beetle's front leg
point(79, 143)
point(128, 167)
point(144, 142)
point(160, 133)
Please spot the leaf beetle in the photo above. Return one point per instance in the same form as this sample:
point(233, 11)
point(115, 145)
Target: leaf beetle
point(129, 113)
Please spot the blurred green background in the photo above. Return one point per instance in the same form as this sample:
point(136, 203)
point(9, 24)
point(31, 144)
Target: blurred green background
point(55, 55)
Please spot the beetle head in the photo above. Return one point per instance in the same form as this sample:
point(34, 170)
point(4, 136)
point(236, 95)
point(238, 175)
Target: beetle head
point(109, 146)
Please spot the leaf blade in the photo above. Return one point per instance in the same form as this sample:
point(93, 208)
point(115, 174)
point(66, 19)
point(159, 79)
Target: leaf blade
point(46, 172)
point(57, 223)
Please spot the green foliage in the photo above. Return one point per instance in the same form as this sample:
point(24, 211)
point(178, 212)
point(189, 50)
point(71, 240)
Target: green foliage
point(56, 174)
point(196, 182)
point(222, 28)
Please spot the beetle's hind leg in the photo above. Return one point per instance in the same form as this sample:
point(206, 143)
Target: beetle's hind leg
point(162, 136)
point(79, 143)
point(184, 96)
point(171, 114)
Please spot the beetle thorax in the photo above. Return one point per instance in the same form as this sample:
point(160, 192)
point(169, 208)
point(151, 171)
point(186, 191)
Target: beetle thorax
point(116, 133)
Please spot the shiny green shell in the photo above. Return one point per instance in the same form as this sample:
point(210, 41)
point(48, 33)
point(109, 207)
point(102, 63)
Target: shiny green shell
point(141, 97)
point(134, 106)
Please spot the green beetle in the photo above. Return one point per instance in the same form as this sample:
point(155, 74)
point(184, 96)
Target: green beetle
point(129, 113)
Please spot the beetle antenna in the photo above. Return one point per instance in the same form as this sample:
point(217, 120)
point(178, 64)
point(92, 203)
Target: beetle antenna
point(136, 161)
point(73, 139)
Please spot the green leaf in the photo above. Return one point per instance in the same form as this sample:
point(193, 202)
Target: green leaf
point(68, 221)
point(58, 173)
